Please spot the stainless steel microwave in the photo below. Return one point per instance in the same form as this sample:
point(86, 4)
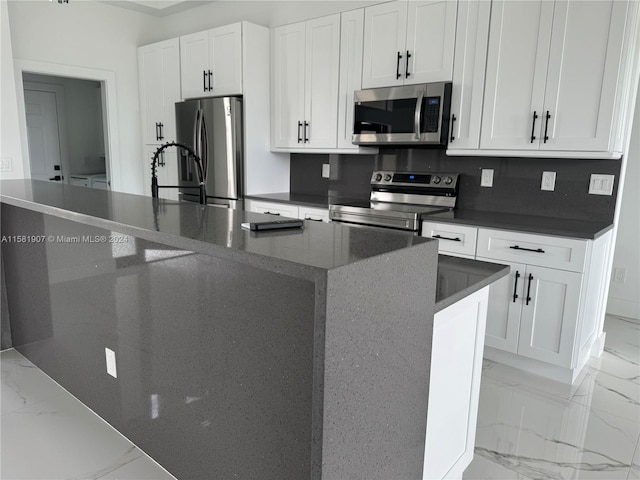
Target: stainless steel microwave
point(407, 115)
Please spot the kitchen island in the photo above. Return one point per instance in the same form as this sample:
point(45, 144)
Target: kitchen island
point(225, 353)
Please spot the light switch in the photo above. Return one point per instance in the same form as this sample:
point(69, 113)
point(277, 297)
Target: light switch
point(486, 180)
point(601, 184)
point(548, 181)
point(111, 362)
point(325, 170)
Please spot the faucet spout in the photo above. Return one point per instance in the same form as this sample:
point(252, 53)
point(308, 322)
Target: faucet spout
point(190, 155)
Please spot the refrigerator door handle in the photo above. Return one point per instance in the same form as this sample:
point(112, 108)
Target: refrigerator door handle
point(204, 148)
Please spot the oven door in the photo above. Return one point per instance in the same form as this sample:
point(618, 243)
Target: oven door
point(413, 114)
point(407, 221)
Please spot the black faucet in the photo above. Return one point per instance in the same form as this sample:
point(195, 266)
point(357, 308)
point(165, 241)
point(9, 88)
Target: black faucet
point(199, 171)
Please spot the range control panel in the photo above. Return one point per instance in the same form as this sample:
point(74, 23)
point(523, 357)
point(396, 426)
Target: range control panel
point(414, 179)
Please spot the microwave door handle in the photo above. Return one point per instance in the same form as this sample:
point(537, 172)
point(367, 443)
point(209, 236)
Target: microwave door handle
point(418, 115)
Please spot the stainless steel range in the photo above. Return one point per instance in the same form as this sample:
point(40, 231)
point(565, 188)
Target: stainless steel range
point(400, 200)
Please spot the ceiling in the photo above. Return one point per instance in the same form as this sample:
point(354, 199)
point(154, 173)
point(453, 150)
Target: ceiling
point(159, 8)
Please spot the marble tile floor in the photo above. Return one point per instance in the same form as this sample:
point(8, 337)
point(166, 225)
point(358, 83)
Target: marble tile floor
point(528, 427)
point(533, 428)
point(46, 434)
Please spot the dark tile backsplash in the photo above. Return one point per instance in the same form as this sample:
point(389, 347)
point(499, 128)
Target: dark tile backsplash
point(516, 180)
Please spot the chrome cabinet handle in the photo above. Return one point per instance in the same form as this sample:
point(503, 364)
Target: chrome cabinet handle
point(537, 250)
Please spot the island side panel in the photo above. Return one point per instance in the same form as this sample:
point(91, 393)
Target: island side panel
point(377, 358)
point(214, 358)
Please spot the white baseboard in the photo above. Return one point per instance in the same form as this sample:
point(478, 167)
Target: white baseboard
point(623, 308)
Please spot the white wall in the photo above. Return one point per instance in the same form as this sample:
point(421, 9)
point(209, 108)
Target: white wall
point(624, 298)
point(13, 162)
point(96, 36)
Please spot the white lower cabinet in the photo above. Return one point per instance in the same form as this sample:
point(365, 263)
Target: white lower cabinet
point(546, 315)
point(454, 386)
point(287, 210)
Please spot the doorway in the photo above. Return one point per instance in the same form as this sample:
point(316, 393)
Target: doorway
point(66, 129)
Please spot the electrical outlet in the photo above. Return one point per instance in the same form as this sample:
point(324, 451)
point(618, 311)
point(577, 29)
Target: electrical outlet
point(486, 180)
point(326, 170)
point(548, 181)
point(600, 184)
point(620, 275)
point(6, 164)
point(111, 362)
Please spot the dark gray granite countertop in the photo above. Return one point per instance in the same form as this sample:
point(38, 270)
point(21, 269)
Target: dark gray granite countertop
point(206, 229)
point(316, 201)
point(460, 277)
point(561, 227)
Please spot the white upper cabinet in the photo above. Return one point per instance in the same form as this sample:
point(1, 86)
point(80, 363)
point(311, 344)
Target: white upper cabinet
point(351, 41)
point(553, 71)
point(516, 72)
point(472, 36)
point(211, 62)
point(408, 42)
point(305, 84)
point(159, 73)
point(584, 58)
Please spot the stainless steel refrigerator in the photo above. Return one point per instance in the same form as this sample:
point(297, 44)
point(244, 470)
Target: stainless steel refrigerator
point(212, 127)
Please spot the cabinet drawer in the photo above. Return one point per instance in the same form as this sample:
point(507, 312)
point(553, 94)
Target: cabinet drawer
point(555, 252)
point(282, 209)
point(454, 239)
point(310, 213)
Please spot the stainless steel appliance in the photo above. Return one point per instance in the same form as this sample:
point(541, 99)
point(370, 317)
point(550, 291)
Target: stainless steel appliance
point(408, 115)
point(400, 200)
point(212, 127)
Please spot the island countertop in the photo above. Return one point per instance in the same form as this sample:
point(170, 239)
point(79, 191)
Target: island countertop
point(314, 248)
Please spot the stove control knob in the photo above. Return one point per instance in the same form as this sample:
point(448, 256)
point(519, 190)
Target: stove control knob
point(436, 180)
point(387, 178)
point(378, 177)
point(448, 180)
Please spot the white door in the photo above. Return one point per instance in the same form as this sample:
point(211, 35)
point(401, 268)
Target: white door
point(581, 88)
point(516, 74)
point(288, 85)
point(225, 48)
point(549, 315)
point(351, 41)
point(170, 89)
point(472, 36)
point(194, 64)
point(42, 134)
point(431, 30)
point(505, 307)
point(322, 62)
point(384, 59)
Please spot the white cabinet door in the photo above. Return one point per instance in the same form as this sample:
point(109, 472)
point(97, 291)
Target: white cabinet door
point(431, 30)
point(225, 51)
point(472, 36)
point(321, 82)
point(159, 74)
point(288, 47)
point(384, 59)
point(314, 214)
point(505, 307)
point(194, 60)
point(584, 58)
point(351, 43)
point(549, 315)
point(272, 208)
point(517, 57)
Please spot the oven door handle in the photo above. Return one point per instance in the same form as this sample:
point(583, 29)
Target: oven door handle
point(418, 115)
